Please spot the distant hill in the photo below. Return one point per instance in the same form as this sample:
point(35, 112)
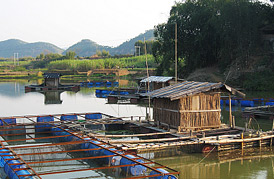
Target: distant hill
point(83, 48)
point(24, 49)
point(128, 46)
point(87, 47)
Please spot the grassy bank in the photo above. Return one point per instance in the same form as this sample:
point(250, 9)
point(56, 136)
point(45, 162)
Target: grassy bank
point(107, 63)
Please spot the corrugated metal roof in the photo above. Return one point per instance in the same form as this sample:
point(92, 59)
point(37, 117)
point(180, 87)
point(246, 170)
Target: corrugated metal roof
point(158, 79)
point(189, 88)
point(52, 75)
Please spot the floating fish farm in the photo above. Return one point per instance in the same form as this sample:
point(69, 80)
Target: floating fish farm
point(58, 146)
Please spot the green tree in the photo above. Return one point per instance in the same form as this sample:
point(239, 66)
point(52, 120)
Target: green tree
point(53, 56)
point(105, 53)
point(41, 56)
point(140, 44)
point(99, 53)
point(70, 55)
point(210, 32)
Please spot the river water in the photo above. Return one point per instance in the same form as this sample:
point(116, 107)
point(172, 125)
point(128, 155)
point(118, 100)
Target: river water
point(253, 163)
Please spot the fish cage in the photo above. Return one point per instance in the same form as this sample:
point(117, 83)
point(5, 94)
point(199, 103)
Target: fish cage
point(58, 146)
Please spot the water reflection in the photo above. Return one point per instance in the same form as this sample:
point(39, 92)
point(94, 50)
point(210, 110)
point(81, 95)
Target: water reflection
point(253, 163)
point(52, 97)
point(11, 89)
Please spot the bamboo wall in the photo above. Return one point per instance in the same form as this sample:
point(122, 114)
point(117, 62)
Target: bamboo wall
point(165, 116)
point(189, 112)
point(199, 118)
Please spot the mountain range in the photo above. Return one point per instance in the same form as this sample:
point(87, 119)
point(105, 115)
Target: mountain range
point(83, 48)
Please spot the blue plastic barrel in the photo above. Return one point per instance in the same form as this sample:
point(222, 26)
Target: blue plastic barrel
point(9, 168)
point(124, 93)
point(93, 116)
point(59, 132)
point(9, 121)
point(161, 177)
point(136, 170)
point(86, 144)
point(233, 102)
point(68, 117)
point(92, 146)
point(40, 127)
point(247, 103)
point(105, 91)
point(5, 152)
point(90, 84)
point(98, 84)
point(108, 83)
point(269, 103)
point(98, 91)
point(22, 172)
point(114, 160)
point(222, 102)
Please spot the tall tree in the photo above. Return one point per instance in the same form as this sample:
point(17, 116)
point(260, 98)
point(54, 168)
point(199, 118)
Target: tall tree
point(70, 55)
point(210, 32)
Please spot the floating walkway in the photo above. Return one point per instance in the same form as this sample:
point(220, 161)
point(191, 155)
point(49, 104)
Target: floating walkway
point(260, 111)
point(31, 145)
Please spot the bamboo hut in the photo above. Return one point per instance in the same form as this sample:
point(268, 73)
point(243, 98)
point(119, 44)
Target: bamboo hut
point(189, 105)
point(52, 79)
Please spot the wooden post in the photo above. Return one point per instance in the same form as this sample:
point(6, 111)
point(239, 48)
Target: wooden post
point(272, 124)
point(230, 111)
point(175, 53)
point(139, 119)
point(131, 118)
point(242, 137)
point(233, 121)
point(179, 128)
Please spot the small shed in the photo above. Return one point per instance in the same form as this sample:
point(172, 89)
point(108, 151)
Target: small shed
point(52, 79)
point(189, 105)
point(157, 82)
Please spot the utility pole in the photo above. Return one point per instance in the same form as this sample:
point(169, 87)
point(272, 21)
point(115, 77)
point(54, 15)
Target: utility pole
point(176, 53)
point(15, 59)
point(147, 81)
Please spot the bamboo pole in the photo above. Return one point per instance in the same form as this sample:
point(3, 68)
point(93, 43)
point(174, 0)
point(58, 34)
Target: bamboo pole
point(230, 111)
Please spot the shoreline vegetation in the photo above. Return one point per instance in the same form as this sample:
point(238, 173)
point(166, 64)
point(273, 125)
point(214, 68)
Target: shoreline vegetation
point(77, 70)
point(31, 68)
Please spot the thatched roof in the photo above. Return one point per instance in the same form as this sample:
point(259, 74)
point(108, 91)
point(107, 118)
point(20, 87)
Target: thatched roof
point(189, 88)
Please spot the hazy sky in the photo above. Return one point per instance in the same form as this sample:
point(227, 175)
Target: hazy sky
point(66, 22)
